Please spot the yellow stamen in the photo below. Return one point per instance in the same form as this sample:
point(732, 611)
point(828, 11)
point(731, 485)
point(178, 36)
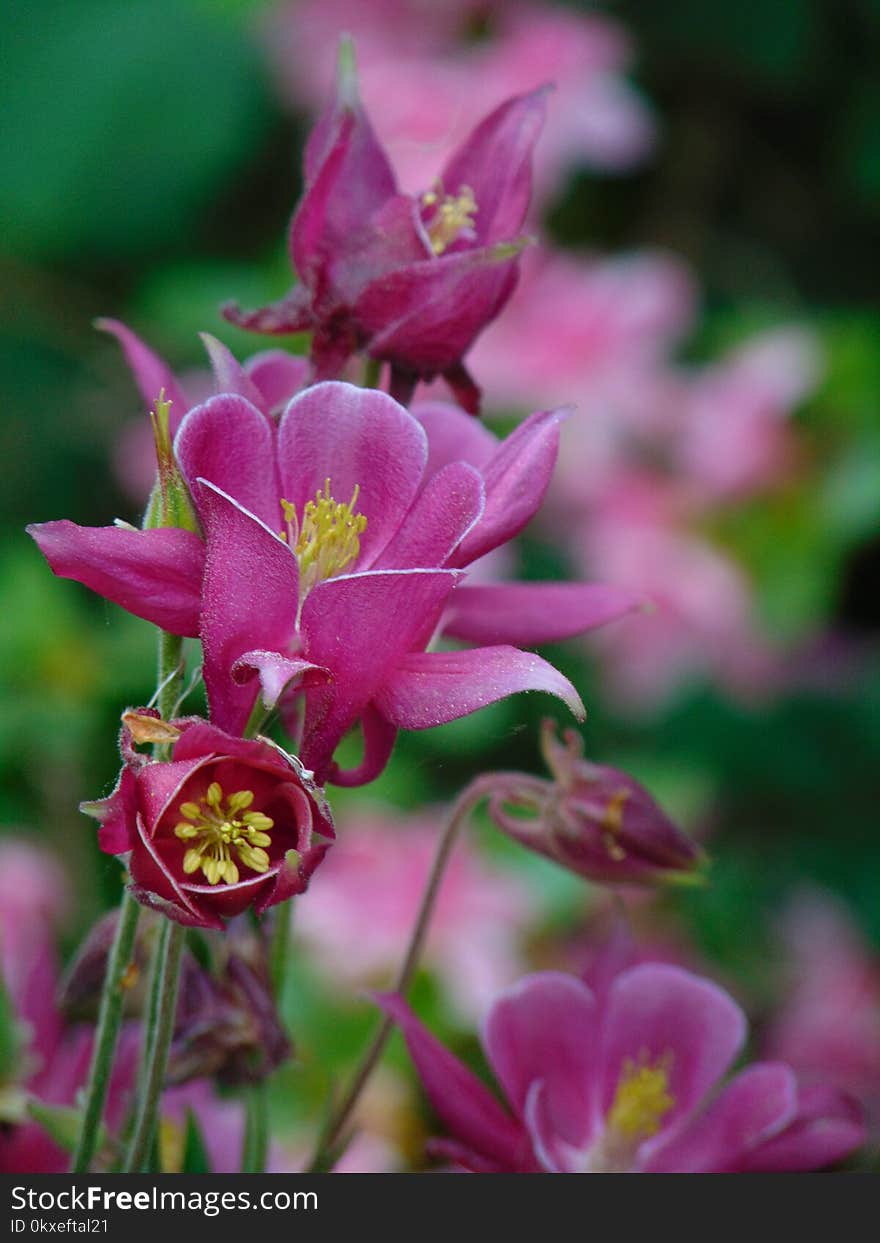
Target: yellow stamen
point(642, 1098)
point(327, 539)
point(453, 215)
point(217, 829)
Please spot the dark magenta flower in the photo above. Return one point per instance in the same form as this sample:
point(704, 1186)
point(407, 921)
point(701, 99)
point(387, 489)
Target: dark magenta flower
point(410, 281)
point(594, 820)
point(625, 1079)
point(224, 825)
point(333, 555)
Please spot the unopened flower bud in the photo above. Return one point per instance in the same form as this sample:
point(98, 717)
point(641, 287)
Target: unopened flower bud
point(595, 820)
point(170, 504)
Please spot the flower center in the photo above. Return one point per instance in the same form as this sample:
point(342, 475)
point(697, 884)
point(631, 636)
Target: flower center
point(217, 827)
point(328, 537)
point(452, 216)
point(642, 1098)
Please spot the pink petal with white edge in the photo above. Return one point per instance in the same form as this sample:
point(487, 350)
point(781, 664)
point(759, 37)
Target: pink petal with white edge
point(357, 438)
point(443, 513)
point(250, 597)
point(530, 613)
point(546, 1028)
point(828, 1126)
point(461, 1101)
point(516, 481)
point(277, 674)
point(431, 688)
point(495, 161)
point(231, 444)
point(663, 1012)
point(154, 574)
point(151, 373)
point(752, 1108)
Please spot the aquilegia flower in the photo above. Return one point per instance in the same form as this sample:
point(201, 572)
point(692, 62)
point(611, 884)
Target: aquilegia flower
point(224, 825)
point(333, 554)
point(594, 820)
point(625, 1081)
point(409, 280)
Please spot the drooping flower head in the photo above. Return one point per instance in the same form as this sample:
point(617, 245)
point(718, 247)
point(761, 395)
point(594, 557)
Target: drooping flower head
point(331, 556)
point(626, 1079)
point(224, 825)
point(409, 280)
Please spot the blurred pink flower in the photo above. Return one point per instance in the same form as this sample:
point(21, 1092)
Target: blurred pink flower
point(828, 1025)
point(423, 75)
point(626, 1080)
point(356, 921)
point(54, 1059)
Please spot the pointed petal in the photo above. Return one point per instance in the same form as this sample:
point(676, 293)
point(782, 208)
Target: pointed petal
point(151, 373)
point(516, 480)
point(658, 1011)
point(530, 613)
point(752, 1108)
point(461, 1101)
point(496, 162)
point(431, 688)
point(359, 627)
point(154, 574)
point(426, 315)
point(250, 600)
point(229, 375)
point(230, 443)
point(443, 513)
point(546, 1028)
point(357, 438)
point(279, 376)
point(292, 313)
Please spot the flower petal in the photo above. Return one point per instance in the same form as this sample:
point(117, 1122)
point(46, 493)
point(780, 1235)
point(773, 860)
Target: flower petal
point(454, 436)
point(443, 513)
point(277, 673)
point(359, 627)
point(250, 600)
point(229, 442)
point(828, 1126)
point(357, 438)
point(151, 373)
point(379, 738)
point(546, 1028)
point(279, 376)
point(461, 1101)
point(516, 481)
point(659, 1011)
point(495, 161)
point(753, 1107)
point(155, 574)
point(431, 688)
point(530, 613)
point(229, 375)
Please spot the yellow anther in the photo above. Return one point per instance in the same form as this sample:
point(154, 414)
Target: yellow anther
point(453, 215)
point(326, 539)
point(642, 1098)
point(217, 828)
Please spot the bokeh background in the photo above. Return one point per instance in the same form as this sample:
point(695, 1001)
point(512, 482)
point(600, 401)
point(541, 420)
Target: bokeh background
point(704, 290)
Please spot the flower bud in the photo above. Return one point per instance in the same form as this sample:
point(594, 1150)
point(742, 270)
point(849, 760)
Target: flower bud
point(594, 820)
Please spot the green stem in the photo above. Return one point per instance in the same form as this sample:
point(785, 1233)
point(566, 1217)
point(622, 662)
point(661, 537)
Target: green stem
point(171, 940)
point(279, 945)
point(325, 1153)
point(256, 1133)
point(107, 1032)
point(170, 679)
point(372, 373)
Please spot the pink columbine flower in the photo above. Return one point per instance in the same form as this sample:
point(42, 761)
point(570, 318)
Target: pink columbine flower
point(334, 550)
point(354, 922)
point(224, 825)
point(596, 821)
point(410, 280)
point(626, 1080)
